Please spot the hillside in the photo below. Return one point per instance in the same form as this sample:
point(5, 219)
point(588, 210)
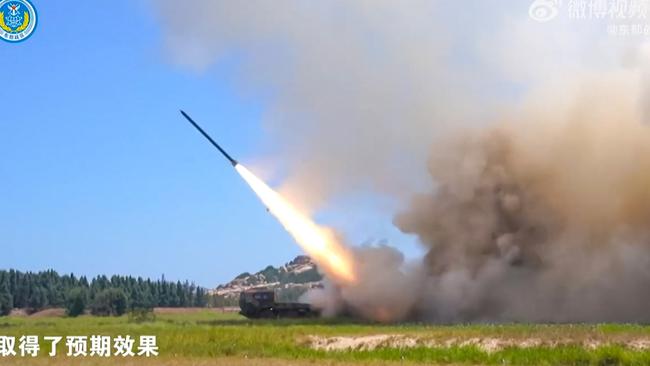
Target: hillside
point(290, 280)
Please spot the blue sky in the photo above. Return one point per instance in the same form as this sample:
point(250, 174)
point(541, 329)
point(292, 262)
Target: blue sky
point(99, 174)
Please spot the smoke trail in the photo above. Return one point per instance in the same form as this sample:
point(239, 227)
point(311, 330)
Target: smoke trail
point(537, 194)
point(358, 88)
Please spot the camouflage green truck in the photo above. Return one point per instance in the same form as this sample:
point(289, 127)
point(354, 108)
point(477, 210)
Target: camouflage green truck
point(260, 303)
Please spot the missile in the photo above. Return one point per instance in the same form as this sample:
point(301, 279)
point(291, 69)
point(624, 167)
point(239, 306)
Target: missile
point(222, 151)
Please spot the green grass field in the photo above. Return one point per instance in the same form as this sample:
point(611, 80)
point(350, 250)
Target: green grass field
point(211, 338)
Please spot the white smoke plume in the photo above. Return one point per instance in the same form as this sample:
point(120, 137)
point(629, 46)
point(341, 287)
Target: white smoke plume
point(357, 87)
point(534, 136)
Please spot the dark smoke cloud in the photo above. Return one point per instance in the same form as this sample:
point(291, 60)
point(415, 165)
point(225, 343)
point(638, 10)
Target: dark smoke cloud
point(544, 217)
point(536, 137)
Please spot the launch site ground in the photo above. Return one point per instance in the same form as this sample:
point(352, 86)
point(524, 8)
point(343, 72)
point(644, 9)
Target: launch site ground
point(206, 338)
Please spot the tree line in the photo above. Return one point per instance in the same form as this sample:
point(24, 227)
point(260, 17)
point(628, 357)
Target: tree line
point(100, 295)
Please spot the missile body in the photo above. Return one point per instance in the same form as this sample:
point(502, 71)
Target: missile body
point(222, 151)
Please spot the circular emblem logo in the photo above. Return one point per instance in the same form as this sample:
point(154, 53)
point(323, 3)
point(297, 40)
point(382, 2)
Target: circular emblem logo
point(17, 20)
point(543, 10)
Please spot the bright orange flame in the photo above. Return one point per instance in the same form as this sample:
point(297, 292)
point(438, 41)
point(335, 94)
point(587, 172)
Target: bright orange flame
point(317, 241)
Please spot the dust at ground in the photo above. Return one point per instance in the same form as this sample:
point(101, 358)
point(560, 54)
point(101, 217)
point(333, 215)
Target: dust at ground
point(486, 344)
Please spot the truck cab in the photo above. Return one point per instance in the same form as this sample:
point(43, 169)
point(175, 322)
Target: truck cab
point(256, 303)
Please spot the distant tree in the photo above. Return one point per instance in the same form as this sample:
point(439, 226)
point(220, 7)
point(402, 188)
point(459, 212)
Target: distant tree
point(37, 300)
point(111, 301)
point(201, 297)
point(181, 294)
point(23, 288)
point(6, 301)
point(34, 291)
point(76, 301)
point(140, 299)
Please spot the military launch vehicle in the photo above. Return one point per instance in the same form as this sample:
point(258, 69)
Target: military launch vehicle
point(260, 303)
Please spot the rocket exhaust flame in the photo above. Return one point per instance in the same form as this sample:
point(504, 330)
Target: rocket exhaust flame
point(319, 242)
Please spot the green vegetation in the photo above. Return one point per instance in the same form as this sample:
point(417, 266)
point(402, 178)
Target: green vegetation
point(76, 301)
point(192, 337)
point(111, 301)
point(36, 291)
point(141, 315)
point(6, 300)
